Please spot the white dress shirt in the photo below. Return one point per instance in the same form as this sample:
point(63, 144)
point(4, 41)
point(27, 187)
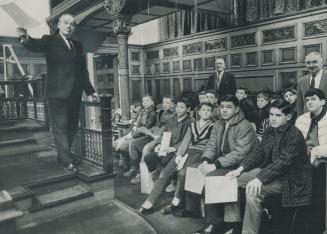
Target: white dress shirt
point(317, 79)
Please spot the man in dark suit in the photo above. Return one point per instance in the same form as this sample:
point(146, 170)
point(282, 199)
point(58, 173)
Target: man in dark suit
point(317, 78)
point(221, 82)
point(66, 79)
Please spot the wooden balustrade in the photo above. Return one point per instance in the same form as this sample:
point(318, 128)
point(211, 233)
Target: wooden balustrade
point(93, 140)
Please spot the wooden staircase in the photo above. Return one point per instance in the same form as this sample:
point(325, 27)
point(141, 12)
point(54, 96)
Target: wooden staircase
point(37, 187)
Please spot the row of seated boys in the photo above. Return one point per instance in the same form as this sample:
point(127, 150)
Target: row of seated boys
point(225, 144)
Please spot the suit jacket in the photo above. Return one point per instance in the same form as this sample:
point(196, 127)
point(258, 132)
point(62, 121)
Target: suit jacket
point(282, 154)
point(66, 69)
point(302, 87)
point(227, 84)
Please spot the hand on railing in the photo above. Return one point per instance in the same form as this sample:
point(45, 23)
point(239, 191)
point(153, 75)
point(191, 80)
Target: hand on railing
point(94, 97)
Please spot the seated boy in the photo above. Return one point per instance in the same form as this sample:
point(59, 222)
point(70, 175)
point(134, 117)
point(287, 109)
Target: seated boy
point(313, 126)
point(193, 144)
point(279, 165)
point(177, 125)
point(289, 95)
point(263, 112)
point(211, 98)
point(247, 106)
point(145, 118)
point(232, 139)
point(201, 99)
point(146, 143)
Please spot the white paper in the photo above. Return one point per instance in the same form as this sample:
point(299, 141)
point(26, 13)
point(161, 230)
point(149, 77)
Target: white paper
point(194, 180)
point(165, 142)
point(220, 189)
point(19, 15)
point(182, 162)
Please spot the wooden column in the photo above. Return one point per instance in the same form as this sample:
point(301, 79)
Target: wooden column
point(105, 102)
point(121, 27)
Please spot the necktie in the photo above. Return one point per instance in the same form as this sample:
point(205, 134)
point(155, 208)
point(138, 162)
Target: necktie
point(71, 46)
point(313, 82)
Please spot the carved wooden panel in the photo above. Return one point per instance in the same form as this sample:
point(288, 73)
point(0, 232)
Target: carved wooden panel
point(198, 64)
point(154, 54)
point(187, 66)
point(166, 67)
point(268, 57)
point(170, 52)
point(288, 55)
point(209, 63)
point(135, 69)
point(194, 48)
point(243, 40)
point(279, 34)
point(217, 44)
point(135, 56)
point(176, 66)
point(307, 49)
point(236, 60)
point(315, 28)
point(251, 59)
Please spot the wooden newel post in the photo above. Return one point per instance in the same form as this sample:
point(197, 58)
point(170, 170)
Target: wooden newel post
point(105, 104)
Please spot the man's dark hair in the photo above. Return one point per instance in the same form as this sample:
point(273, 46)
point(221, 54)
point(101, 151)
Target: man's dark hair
point(282, 105)
point(202, 93)
point(229, 98)
point(206, 104)
point(313, 91)
point(184, 100)
point(243, 88)
point(168, 96)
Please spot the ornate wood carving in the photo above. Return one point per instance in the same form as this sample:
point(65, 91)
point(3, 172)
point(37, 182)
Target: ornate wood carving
point(243, 40)
point(187, 66)
point(315, 28)
point(170, 52)
point(176, 66)
point(194, 48)
point(279, 34)
point(217, 44)
point(114, 6)
point(121, 25)
point(209, 63)
point(154, 54)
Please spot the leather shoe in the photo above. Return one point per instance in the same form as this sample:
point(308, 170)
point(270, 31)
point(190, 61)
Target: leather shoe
point(211, 229)
point(70, 168)
point(146, 211)
point(169, 209)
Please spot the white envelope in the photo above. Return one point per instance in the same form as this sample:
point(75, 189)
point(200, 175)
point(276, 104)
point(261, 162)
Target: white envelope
point(220, 189)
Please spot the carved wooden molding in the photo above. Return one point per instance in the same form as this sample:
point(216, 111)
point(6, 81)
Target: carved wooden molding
point(114, 6)
point(243, 40)
point(121, 25)
point(279, 34)
point(315, 28)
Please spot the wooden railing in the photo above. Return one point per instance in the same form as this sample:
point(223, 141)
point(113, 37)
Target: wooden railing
point(93, 140)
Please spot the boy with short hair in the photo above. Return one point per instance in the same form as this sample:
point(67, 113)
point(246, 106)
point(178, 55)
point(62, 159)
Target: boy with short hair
point(263, 112)
point(193, 144)
point(211, 98)
point(313, 126)
point(232, 139)
point(247, 106)
point(177, 125)
point(146, 144)
point(279, 165)
point(145, 118)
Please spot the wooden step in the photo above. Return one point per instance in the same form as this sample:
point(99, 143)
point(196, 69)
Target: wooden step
point(60, 197)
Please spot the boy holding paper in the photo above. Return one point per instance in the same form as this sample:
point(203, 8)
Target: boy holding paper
point(189, 152)
point(232, 139)
point(278, 165)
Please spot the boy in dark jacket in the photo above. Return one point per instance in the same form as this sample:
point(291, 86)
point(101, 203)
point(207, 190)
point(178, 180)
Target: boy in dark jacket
point(278, 165)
